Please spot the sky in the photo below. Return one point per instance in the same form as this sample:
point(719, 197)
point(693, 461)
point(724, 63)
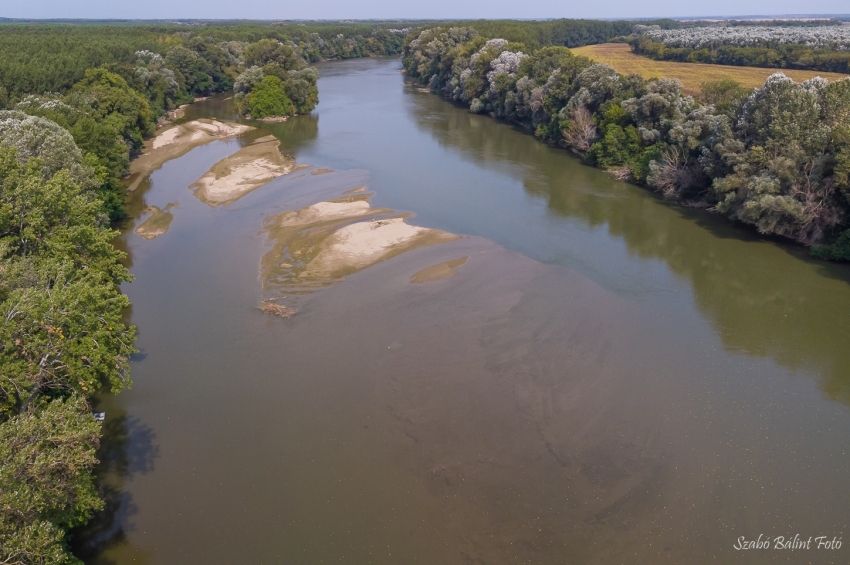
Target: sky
point(368, 9)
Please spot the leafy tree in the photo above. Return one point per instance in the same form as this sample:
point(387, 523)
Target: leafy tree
point(725, 95)
point(46, 482)
point(272, 52)
point(63, 329)
point(301, 87)
point(269, 99)
point(108, 96)
point(33, 136)
point(194, 71)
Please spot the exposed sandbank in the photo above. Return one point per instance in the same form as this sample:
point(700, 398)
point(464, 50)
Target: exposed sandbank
point(326, 241)
point(361, 244)
point(439, 271)
point(157, 222)
point(174, 141)
point(327, 211)
point(248, 169)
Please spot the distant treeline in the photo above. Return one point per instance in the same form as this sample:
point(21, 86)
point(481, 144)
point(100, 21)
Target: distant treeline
point(774, 56)
point(568, 33)
point(777, 158)
point(39, 58)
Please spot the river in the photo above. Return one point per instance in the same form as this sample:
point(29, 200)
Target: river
point(607, 378)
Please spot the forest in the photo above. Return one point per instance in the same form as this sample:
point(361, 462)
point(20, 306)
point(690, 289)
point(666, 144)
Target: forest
point(776, 158)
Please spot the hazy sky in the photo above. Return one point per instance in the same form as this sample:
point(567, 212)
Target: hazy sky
point(335, 9)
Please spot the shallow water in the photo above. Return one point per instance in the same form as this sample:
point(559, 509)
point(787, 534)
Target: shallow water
point(607, 378)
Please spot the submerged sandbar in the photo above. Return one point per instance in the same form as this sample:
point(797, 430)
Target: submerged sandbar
point(157, 222)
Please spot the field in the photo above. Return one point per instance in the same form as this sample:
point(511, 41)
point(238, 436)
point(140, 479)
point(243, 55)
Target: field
point(620, 57)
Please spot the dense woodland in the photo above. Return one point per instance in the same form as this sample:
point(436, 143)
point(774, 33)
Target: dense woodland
point(777, 158)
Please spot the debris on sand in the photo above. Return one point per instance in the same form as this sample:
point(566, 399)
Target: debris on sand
point(274, 309)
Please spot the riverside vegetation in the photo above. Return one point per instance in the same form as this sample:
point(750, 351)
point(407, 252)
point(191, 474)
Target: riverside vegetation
point(776, 157)
point(79, 102)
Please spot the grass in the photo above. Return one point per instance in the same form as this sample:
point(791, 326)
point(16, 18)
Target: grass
point(619, 56)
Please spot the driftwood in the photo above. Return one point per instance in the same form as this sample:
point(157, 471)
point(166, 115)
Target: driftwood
point(274, 309)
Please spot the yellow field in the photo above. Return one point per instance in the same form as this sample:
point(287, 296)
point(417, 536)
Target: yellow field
point(619, 56)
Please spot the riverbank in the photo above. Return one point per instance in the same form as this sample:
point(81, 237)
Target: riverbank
point(651, 133)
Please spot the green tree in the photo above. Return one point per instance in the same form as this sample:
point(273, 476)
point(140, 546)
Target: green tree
point(46, 482)
point(108, 96)
point(61, 311)
point(269, 99)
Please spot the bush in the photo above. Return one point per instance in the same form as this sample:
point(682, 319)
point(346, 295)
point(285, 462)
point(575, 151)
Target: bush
point(268, 99)
point(838, 250)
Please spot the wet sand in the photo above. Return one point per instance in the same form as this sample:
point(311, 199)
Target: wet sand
point(174, 141)
point(440, 271)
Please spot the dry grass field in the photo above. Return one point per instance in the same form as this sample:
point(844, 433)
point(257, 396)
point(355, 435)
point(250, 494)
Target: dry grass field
point(620, 57)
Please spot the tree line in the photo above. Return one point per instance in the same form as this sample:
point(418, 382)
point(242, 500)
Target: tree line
point(77, 103)
point(785, 56)
point(776, 158)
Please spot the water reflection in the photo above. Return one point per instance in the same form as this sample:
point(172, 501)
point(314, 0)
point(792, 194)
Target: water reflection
point(762, 298)
point(128, 448)
point(296, 133)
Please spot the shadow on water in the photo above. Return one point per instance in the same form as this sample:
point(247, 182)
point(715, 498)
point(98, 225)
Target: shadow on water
point(128, 448)
point(762, 297)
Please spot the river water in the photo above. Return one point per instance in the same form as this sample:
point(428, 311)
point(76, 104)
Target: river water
point(606, 379)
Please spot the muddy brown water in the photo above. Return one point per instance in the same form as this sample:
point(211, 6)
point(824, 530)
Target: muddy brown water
point(606, 379)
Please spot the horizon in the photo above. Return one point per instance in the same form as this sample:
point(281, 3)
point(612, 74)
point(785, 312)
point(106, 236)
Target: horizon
point(370, 10)
point(704, 17)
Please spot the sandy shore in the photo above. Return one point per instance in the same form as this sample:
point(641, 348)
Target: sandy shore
point(328, 240)
point(174, 141)
point(157, 222)
point(248, 169)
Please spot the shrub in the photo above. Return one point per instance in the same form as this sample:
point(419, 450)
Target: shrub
point(269, 99)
